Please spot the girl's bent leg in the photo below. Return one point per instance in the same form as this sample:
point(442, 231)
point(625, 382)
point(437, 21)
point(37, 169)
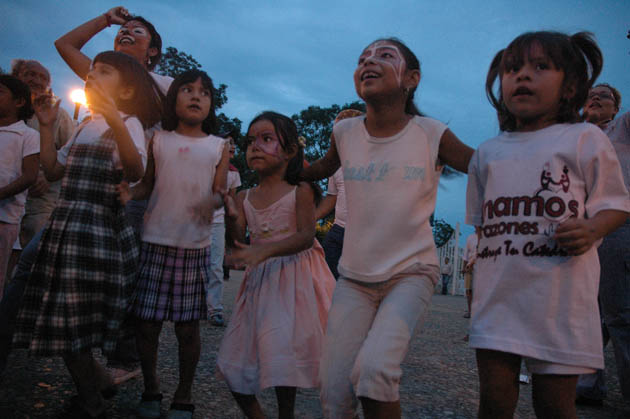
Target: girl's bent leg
point(147, 339)
point(554, 396)
point(498, 383)
point(189, 349)
point(286, 402)
point(349, 321)
point(376, 373)
point(249, 405)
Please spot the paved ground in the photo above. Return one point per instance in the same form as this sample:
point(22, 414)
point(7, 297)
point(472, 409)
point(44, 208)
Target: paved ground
point(439, 381)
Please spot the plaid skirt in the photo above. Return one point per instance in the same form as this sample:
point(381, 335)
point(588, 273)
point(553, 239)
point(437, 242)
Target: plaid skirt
point(83, 276)
point(171, 283)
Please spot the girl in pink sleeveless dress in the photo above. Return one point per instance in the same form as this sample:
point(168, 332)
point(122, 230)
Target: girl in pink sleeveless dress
point(276, 332)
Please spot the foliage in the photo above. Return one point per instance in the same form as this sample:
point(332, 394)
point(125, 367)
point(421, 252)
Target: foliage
point(442, 231)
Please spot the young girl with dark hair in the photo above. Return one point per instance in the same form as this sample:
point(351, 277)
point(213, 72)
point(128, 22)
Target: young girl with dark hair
point(391, 160)
point(275, 335)
point(186, 173)
point(543, 193)
point(80, 284)
point(137, 37)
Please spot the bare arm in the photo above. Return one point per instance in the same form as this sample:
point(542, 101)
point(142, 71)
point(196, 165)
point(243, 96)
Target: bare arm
point(325, 207)
point(577, 235)
point(301, 240)
point(46, 116)
point(454, 153)
point(324, 167)
point(143, 189)
point(69, 45)
point(30, 168)
point(235, 217)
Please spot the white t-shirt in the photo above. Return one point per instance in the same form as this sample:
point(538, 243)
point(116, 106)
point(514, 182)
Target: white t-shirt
point(530, 298)
point(92, 131)
point(163, 82)
point(16, 142)
point(391, 185)
point(447, 268)
point(184, 174)
point(471, 248)
point(336, 187)
point(233, 181)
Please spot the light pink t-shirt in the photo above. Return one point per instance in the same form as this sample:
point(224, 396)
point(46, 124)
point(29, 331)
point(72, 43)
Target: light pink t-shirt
point(184, 174)
point(530, 298)
point(391, 185)
point(233, 182)
point(336, 187)
point(16, 142)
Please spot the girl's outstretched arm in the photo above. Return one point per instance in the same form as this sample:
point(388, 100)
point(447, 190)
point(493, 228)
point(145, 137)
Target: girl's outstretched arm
point(144, 188)
point(454, 153)
point(301, 240)
point(324, 167)
point(69, 45)
point(235, 217)
point(577, 235)
point(46, 115)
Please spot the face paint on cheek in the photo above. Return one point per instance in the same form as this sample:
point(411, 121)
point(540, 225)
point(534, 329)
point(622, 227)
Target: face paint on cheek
point(271, 147)
point(397, 63)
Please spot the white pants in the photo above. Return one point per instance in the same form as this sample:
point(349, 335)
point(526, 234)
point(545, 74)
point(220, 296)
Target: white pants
point(214, 287)
point(369, 329)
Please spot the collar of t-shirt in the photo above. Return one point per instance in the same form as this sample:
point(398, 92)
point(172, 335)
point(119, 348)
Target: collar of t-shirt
point(18, 127)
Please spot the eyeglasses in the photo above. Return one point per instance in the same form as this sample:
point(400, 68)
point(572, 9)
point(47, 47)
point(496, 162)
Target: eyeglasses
point(601, 95)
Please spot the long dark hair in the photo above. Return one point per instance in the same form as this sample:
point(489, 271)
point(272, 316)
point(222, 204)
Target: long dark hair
point(19, 90)
point(289, 141)
point(578, 56)
point(146, 103)
point(170, 120)
point(412, 64)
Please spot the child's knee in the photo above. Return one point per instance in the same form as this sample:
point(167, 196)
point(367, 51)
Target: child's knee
point(187, 332)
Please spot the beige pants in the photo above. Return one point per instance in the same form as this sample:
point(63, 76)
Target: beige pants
point(8, 236)
point(369, 329)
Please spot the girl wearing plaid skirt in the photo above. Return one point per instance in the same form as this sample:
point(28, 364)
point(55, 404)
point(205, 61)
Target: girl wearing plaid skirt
point(276, 333)
point(81, 281)
point(186, 172)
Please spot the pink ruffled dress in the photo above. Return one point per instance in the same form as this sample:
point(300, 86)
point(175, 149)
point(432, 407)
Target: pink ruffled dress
point(276, 331)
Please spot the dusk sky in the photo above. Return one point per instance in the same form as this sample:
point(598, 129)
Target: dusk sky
point(289, 55)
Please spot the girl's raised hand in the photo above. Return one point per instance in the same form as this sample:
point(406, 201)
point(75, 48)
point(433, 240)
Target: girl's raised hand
point(46, 109)
point(230, 206)
point(124, 193)
point(245, 255)
point(99, 101)
point(117, 15)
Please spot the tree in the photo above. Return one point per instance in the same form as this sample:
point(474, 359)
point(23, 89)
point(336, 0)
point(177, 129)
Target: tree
point(442, 231)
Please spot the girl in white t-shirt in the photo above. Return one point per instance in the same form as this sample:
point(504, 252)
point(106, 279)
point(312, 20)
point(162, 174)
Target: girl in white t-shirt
point(391, 160)
point(186, 173)
point(82, 279)
point(543, 193)
point(276, 332)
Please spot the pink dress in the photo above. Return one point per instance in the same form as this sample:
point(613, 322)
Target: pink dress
point(276, 331)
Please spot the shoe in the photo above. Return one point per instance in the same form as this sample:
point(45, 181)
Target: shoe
point(216, 319)
point(467, 316)
point(74, 409)
point(150, 406)
point(181, 411)
point(585, 401)
point(120, 375)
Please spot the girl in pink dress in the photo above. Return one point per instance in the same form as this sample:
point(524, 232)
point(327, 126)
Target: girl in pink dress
point(276, 332)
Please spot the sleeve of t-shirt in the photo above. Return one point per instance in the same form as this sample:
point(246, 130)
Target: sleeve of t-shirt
point(234, 179)
point(601, 173)
point(137, 136)
point(474, 193)
point(332, 186)
point(31, 143)
point(434, 129)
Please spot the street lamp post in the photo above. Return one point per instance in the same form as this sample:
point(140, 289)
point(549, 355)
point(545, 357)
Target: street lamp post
point(78, 97)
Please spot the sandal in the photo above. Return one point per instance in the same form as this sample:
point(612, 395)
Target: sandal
point(150, 406)
point(74, 409)
point(181, 411)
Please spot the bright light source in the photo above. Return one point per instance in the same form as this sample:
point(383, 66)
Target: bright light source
point(78, 96)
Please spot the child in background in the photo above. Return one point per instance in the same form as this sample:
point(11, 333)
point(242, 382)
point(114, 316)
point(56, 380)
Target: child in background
point(185, 175)
point(217, 251)
point(276, 333)
point(81, 281)
point(19, 162)
point(391, 160)
point(544, 192)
